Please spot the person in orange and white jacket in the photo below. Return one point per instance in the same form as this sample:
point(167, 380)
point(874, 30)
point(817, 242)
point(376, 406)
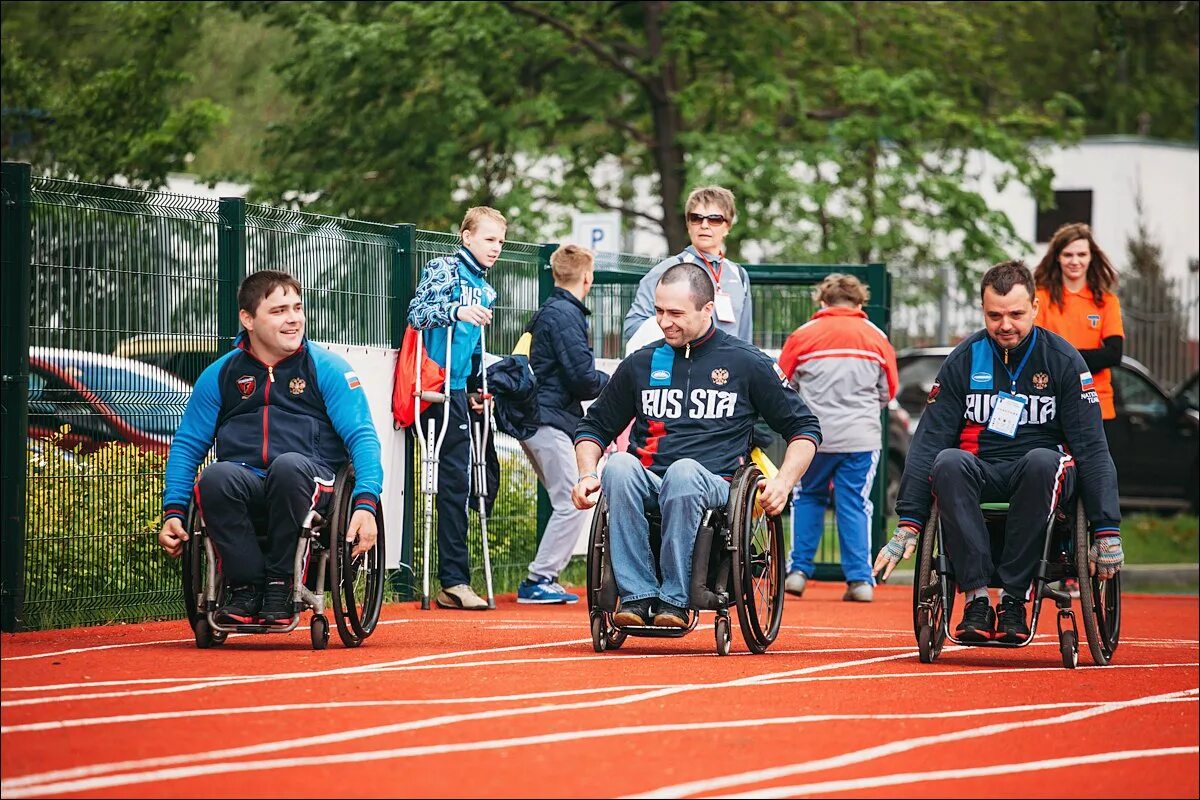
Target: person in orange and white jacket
point(845, 370)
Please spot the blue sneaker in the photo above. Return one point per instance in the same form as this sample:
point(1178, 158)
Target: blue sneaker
point(545, 592)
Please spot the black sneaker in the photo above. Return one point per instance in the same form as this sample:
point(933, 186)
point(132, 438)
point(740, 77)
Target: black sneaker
point(635, 612)
point(1011, 627)
point(277, 607)
point(670, 616)
point(978, 621)
point(242, 606)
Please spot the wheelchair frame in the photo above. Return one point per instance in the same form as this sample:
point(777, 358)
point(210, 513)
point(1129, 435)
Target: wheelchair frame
point(728, 551)
point(1064, 555)
point(322, 537)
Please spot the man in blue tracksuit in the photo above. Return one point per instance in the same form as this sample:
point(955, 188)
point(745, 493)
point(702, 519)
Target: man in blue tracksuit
point(454, 298)
point(284, 416)
point(693, 397)
point(1012, 413)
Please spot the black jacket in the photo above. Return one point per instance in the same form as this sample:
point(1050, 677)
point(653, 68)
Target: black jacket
point(699, 401)
point(563, 362)
point(1063, 412)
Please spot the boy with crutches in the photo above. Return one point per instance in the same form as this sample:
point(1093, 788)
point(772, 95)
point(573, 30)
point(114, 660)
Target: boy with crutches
point(453, 298)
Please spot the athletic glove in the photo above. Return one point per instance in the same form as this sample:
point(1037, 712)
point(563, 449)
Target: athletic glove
point(1106, 557)
point(902, 545)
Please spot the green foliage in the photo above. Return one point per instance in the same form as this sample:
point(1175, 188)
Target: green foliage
point(91, 552)
point(1159, 539)
point(103, 108)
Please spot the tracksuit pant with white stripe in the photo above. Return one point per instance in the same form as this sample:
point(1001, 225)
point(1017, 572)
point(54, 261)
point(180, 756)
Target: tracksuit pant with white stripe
point(851, 476)
point(237, 501)
point(1033, 486)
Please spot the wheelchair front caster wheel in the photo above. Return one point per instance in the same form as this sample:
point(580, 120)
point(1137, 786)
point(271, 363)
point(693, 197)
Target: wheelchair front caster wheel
point(925, 645)
point(204, 634)
point(1068, 645)
point(616, 639)
point(721, 632)
point(318, 629)
point(599, 634)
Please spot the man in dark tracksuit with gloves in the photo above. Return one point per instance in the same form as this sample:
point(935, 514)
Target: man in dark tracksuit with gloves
point(283, 416)
point(693, 398)
point(1012, 416)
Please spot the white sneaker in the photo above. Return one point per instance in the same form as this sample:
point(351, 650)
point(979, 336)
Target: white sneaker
point(461, 596)
point(795, 583)
point(859, 592)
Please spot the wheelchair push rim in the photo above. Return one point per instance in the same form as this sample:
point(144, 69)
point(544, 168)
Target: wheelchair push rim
point(757, 563)
point(933, 600)
point(1099, 601)
point(355, 582)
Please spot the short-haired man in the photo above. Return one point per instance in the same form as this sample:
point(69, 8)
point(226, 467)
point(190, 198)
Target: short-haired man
point(1011, 415)
point(565, 368)
point(693, 397)
point(845, 369)
point(284, 416)
point(710, 211)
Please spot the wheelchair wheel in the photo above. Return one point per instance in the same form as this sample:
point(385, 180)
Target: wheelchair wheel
point(194, 563)
point(930, 616)
point(318, 631)
point(757, 563)
point(1099, 601)
point(597, 538)
point(599, 633)
point(356, 582)
point(1068, 646)
point(722, 634)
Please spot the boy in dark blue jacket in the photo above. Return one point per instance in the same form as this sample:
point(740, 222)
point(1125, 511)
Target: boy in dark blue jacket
point(283, 416)
point(564, 366)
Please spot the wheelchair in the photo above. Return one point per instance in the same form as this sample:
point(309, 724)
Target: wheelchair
point(738, 560)
point(356, 583)
point(1064, 556)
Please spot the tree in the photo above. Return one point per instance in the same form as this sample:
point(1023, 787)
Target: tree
point(104, 107)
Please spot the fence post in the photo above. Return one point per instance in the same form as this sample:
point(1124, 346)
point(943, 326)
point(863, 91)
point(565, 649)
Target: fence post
point(231, 265)
point(14, 396)
point(545, 289)
point(404, 269)
point(879, 282)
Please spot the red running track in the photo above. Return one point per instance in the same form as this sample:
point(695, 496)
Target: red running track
point(514, 703)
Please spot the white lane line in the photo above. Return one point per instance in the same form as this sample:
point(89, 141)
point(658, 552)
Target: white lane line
point(828, 787)
point(178, 773)
point(516, 662)
point(899, 746)
point(220, 712)
point(351, 670)
point(332, 705)
point(226, 754)
point(972, 672)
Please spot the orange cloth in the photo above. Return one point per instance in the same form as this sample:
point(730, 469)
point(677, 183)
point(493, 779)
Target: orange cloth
point(404, 384)
point(1084, 324)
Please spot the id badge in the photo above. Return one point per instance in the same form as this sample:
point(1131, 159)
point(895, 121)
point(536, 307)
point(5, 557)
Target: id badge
point(1007, 415)
point(724, 307)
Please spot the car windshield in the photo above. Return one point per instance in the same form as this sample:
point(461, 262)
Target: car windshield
point(145, 397)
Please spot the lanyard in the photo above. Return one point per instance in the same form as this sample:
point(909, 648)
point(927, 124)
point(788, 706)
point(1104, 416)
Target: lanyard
point(716, 273)
point(1014, 375)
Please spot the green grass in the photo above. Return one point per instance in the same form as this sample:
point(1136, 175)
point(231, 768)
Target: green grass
point(1158, 539)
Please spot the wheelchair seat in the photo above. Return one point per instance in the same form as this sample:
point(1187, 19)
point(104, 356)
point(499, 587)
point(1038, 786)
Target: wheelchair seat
point(1065, 556)
point(356, 583)
point(737, 560)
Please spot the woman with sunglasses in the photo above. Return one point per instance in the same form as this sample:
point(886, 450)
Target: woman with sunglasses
point(710, 212)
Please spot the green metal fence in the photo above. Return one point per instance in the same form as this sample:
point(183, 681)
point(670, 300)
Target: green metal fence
point(114, 300)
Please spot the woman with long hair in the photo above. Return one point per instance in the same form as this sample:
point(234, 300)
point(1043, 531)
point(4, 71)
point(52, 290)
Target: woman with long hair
point(1076, 299)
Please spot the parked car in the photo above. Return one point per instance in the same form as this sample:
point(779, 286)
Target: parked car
point(181, 355)
point(102, 399)
point(1153, 439)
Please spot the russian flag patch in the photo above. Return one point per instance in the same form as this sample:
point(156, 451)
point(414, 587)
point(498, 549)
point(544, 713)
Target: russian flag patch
point(1085, 382)
point(352, 380)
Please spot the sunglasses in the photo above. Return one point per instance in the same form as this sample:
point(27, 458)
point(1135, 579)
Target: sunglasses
point(713, 219)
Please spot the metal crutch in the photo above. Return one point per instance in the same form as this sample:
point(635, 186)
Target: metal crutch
point(479, 465)
point(431, 449)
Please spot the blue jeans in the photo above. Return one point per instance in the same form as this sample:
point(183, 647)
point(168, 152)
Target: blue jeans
point(681, 495)
point(851, 475)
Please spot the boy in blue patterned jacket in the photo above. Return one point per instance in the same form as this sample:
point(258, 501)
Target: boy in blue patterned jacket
point(454, 298)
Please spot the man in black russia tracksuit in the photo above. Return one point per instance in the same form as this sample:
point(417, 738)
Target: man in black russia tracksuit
point(693, 397)
point(1012, 415)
